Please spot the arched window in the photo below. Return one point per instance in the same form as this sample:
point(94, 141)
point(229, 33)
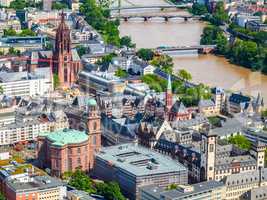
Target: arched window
point(95, 126)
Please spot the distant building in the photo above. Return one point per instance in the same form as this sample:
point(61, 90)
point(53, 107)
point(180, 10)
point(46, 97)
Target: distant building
point(26, 84)
point(238, 102)
point(256, 26)
point(203, 190)
point(133, 166)
point(246, 185)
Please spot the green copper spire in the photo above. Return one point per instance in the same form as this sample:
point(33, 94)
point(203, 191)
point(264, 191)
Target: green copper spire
point(169, 88)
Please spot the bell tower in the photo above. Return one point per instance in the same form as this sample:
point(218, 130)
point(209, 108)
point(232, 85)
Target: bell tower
point(93, 130)
point(62, 56)
point(168, 95)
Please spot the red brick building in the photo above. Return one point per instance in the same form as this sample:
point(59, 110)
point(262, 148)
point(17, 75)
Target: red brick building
point(69, 149)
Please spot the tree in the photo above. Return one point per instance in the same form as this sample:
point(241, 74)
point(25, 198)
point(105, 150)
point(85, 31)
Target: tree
point(81, 181)
point(2, 197)
point(164, 62)
point(110, 191)
point(18, 4)
point(121, 73)
point(127, 41)
point(13, 51)
point(145, 54)
point(184, 75)
point(59, 5)
point(9, 32)
point(1, 90)
point(81, 50)
point(105, 60)
point(56, 81)
point(27, 32)
point(240, 141)
point(220, 16)
point(199, 9)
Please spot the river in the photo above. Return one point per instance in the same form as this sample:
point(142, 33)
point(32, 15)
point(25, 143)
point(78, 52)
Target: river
point(208, 69)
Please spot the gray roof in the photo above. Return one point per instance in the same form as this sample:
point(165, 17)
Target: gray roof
point(206, 103)
point(138, 160)
point(24, 75)
point(179, 193)
point(38, 183)
point(231, 126)
point(245, 178)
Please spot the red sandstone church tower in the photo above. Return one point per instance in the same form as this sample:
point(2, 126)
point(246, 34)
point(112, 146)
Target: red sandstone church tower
point(168, 95)
point(66, 60)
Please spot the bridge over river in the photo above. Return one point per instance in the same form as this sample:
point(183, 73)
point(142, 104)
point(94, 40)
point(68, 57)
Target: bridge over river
point(138, 7)
point(179, 50)
point(148, 16)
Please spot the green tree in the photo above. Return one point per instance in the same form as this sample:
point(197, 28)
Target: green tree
point(154, 82)
point(121, 73)
point(18, 4)
point(2, 197)
point(220, 16)
point(164, 62)
point(145, 54)
point(81, 181)
point(172, 187)
point(240, 141)
point(97, 17)
point(199, 9)
point(1, 90)
point(27, 32)
point(110, 191)
point(55, 81)
point(184, 75)
point(59, 5)
point(9, 32)
point(127, 41)
point(13, 51)
point(81, 50)
point(105, 60)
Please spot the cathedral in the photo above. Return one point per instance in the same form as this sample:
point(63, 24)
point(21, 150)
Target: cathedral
point(63, 61)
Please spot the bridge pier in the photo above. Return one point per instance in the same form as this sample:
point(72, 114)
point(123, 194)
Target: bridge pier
point(185, 19)
point(145, 19)
point(125, 19)
point(166, 19)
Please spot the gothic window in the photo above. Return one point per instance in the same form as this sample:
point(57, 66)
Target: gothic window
point(95, 126)
point(65, 74)
point(70, 164)
point(79, 150)
point(65, 58)
point(94, 140)
point(211, 147)
point(79, 161)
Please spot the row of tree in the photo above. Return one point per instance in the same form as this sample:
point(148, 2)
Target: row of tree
point(245, 53)
point(189, 95)
point(23, 33)
point(97, 16)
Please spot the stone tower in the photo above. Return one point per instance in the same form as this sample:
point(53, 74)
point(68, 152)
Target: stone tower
point(168, 95)
point(208, 148)
point(62, 56)
point(93, 129)
point(258, 151)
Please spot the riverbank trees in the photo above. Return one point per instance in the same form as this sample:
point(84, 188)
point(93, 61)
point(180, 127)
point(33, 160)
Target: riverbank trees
point(245, 53)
